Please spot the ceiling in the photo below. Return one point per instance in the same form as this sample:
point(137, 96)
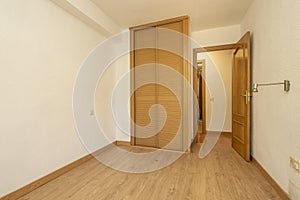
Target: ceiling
point(205, 14)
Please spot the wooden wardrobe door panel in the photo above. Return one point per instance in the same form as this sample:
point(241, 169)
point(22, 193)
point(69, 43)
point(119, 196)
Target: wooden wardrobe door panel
point(145, 95)
point(170, 38)
point(170, 136)
point(169, 54)
point(146, 127)
point(160, 44)
point(145, 38)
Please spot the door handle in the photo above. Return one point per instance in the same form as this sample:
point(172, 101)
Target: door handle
point(247, 96)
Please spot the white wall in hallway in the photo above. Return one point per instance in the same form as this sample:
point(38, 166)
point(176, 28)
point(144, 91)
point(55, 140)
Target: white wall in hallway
point(218, 63)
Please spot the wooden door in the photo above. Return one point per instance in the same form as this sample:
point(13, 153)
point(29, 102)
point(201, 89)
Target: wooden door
point(241, 88)
point(196, 101)
point(170, 54)
point(200, 88)
point(203, 102)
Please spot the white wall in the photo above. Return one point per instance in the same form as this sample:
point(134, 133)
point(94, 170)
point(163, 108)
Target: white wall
point(113, 113)
point(217, 36)
point(212, 37)
point(275, 26)
point(90, 14)
point(41, 50)
point(123, 99)
point(222, 61)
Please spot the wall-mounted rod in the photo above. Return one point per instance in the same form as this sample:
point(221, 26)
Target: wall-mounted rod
point(286, 84)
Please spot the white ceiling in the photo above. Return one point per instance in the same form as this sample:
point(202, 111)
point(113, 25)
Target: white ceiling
point(204, 14)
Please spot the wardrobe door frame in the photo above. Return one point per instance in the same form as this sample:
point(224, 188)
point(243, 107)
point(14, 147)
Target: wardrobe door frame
point(186, 107)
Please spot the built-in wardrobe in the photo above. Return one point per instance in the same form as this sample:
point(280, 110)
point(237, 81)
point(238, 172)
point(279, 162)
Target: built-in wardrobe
point(160, 76)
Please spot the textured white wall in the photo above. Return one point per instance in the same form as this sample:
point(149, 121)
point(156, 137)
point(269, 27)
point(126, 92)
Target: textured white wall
point(123, 99)
point(217, 36)
point(114, 110)
point(42, 48)
point(92, 15)
point(223, 61)
point(275, 26)
point(218, 63)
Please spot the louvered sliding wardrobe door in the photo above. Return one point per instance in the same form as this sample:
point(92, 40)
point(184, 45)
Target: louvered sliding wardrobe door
point(169, 55)
point(157, 59)
point(145, 96)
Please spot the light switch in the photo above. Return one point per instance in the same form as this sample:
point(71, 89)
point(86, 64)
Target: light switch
point(295, 164)
point(92, 113)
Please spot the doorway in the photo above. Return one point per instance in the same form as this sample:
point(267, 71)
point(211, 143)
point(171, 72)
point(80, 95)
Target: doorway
point(200, 93)
point(220, 58)
point(236, 79)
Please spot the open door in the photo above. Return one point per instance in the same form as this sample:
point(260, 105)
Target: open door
point(241, 89)
point(200, 91)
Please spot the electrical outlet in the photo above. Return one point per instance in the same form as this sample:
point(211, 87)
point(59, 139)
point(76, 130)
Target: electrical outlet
point(295, 164)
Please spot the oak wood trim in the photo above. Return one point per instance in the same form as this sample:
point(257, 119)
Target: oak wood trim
point(195, 140)
point(247, 45)
point(196, 91)
point(122, 143)
point(202, 136)
point(161, 22)
point(132, 86)
point(272, 182)
point(187, 70)
point(46, 179)
point(203, 95)
point(226, 133)
point(217, 48)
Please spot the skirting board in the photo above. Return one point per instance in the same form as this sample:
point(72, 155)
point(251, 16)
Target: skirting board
point(272, 182)
point(196, 139)
point(202, 136)
point(122, 143)
point(42, 181)
point(127, 143)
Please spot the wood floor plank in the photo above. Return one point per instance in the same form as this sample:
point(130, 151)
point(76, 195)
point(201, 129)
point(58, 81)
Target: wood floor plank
point(223, 174)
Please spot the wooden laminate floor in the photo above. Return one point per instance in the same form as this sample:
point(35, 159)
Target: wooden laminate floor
point(222, 175)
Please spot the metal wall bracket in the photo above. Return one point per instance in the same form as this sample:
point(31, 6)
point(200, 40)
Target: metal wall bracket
point(286, 85)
